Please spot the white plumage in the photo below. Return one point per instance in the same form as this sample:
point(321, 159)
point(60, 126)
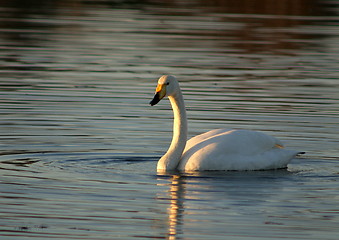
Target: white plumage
point(218, 149)
point(234, 150)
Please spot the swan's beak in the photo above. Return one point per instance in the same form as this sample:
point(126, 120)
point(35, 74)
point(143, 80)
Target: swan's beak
point(160, 93)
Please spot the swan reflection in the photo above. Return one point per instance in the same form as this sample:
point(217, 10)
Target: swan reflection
point(175, 210)
point(215, 198)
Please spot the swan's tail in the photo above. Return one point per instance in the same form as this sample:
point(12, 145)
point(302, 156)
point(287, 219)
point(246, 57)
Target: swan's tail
point(299, 154)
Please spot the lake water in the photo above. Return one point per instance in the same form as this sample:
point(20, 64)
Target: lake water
point(79, 141)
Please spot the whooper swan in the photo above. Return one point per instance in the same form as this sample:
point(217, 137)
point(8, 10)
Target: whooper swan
point(218, 149)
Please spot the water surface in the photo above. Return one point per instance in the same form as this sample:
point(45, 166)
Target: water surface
point(79, 141)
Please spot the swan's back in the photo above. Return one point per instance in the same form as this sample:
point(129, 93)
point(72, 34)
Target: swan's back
point(221, 149)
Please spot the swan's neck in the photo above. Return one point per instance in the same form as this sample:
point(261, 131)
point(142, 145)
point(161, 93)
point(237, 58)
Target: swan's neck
point(173, 155)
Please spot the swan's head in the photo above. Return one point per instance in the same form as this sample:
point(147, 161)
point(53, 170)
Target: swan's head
point(167, 86)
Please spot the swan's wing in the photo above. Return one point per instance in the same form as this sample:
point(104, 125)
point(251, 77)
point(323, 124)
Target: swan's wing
point(241, 141)
point(235, 150)
point(201, 137)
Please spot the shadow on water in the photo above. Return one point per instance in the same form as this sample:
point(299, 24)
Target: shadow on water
point(260, 27)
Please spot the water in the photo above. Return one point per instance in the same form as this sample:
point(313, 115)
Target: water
point(79, 142)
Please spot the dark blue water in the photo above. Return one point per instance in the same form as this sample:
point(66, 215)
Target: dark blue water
point(79, 141)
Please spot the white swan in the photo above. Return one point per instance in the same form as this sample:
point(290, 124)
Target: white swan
point(219, 149)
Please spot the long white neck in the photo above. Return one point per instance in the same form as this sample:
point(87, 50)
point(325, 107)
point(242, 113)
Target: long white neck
point(173, 155)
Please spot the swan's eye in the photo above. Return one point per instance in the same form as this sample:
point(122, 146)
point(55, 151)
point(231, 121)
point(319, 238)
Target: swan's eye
point(167, 83)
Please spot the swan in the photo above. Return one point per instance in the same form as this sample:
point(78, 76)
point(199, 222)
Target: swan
point(218, 149)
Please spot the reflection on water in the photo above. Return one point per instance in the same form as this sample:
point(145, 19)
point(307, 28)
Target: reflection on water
point(176, 209)
point(79, 143)
point(262, 202)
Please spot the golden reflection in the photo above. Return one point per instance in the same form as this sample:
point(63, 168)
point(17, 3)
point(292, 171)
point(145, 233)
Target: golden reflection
point(176, 208)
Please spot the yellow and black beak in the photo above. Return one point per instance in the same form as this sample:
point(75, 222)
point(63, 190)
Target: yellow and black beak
point(160, 93)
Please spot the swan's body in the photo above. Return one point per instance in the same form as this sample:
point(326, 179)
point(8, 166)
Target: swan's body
point(219, 149)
